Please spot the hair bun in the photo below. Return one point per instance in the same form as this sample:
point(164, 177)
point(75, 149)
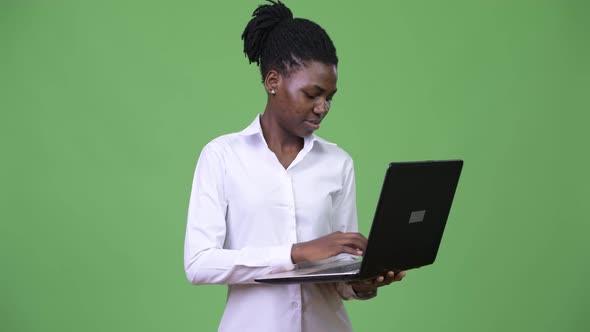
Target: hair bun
point(264, 19)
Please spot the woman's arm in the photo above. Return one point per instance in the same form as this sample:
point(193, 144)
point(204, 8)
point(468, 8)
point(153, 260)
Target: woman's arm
point(205, 259)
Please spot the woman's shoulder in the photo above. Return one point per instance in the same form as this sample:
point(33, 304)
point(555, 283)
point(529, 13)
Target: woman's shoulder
point(333, 149)
point(221, 143)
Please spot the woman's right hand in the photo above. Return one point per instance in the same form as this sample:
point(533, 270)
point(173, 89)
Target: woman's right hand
point(328, 246)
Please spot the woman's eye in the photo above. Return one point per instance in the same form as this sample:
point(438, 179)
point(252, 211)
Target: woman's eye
point(308, 95)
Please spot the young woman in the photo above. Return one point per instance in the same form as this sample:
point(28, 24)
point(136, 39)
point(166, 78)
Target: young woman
point(274, 194)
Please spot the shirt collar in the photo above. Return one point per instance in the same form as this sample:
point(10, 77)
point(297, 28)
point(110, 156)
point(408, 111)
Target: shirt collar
point(255, 128)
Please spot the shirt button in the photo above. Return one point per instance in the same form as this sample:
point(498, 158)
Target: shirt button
point(294, 304)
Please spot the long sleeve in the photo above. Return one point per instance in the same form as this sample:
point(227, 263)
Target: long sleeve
point(205, 259)
point(345, 219)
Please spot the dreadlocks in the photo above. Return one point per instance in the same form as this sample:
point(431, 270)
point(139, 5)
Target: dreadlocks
point(275, 40)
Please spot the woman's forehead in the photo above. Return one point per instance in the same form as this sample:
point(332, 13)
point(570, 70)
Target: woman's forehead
point(316, 74)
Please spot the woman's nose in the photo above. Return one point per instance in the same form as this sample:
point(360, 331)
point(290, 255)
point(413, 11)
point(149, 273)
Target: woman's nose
point(323, 106)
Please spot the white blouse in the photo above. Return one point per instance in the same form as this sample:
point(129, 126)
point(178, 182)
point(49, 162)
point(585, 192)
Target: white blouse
point(246, 211)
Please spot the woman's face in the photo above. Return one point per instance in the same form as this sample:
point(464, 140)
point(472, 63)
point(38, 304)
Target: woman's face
point(303, 97)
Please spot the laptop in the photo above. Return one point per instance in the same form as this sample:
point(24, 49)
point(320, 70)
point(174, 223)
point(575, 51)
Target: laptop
point(407, 228)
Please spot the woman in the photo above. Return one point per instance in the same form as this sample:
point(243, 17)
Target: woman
point(275, 194)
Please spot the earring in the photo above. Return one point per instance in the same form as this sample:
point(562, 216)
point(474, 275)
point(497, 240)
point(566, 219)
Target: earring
point(273, 92)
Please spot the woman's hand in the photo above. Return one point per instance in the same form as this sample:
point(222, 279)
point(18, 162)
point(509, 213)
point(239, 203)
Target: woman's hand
point(328, 246)
point(370, 286)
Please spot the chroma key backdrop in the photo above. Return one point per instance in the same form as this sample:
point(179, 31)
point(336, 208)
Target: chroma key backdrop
point(106, 105)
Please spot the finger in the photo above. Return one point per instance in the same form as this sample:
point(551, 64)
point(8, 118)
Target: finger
point(353, 240)
point(351, 235)
point(352, 245)
point(390, 277)
point(350, 250)
point(400, 275)
point(359, 238)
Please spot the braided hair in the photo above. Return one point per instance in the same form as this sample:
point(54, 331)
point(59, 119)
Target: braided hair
point(273, 39)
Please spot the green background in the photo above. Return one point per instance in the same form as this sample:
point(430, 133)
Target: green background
point(105, 106)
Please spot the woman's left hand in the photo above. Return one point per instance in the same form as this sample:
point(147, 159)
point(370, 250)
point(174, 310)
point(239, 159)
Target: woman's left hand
point(368, 286)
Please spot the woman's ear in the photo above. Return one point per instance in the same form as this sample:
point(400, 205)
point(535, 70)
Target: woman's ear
point(272, 81)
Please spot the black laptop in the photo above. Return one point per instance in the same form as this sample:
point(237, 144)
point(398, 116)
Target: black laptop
point(408, 226)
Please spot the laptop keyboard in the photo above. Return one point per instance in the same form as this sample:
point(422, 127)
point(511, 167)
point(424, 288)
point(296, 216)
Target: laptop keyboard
point(338, 269)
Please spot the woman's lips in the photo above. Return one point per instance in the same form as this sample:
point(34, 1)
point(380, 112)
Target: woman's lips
point(313, 124)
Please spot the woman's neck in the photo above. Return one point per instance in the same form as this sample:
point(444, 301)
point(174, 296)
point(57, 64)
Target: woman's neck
point(277, 138)
point(285, 145)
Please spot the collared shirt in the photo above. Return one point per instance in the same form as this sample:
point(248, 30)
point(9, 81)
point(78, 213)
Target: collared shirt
point(245, 213)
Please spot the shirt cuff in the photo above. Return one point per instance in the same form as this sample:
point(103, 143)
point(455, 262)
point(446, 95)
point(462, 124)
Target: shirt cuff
point(280, 259)
point(285, 253)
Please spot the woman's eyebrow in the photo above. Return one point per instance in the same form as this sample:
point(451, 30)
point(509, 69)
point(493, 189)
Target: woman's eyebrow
point(319, 88)
point(322, 90)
